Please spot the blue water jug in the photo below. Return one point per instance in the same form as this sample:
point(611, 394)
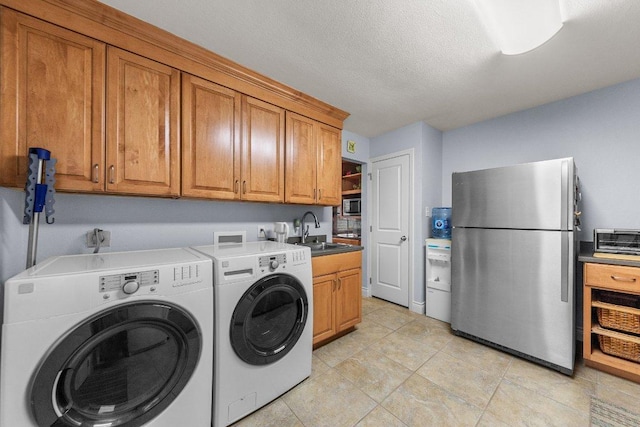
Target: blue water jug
point(441, 223)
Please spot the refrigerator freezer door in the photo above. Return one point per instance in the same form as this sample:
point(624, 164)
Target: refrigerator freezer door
point(514, 288)
point(533, 196)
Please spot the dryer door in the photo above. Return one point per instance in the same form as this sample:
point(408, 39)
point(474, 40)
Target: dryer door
point(269, 319)
point(123, 366)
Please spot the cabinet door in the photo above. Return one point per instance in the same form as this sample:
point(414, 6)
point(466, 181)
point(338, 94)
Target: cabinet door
point(329, 165)
point(324, 325)
point(262, 167)
point(210, 140)
point(301, 160)
point(349, 299)
point(52, 97)
point(142, 125)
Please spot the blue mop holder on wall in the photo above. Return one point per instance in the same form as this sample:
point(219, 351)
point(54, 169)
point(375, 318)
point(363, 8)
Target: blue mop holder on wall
point(39, 195)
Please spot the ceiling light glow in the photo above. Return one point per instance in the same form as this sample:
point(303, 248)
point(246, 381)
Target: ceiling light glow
point(519, 26)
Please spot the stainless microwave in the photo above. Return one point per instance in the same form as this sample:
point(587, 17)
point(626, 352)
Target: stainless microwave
point(351, 207)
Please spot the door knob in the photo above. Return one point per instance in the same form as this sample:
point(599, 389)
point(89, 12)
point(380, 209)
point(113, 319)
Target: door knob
point(403, 238)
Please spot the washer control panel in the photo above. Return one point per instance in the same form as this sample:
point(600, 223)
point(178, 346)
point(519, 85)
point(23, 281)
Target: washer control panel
point(272, 262)
point(129, 283)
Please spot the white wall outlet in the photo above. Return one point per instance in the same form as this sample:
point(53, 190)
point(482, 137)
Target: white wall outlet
point(262, 232)
point(427, 211)
point(96, 236)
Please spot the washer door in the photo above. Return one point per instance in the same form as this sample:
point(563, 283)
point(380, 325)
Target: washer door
point(269, 319)
point(122, 367)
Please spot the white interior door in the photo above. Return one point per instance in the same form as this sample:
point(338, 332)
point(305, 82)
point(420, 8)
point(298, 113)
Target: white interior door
point(390, 238)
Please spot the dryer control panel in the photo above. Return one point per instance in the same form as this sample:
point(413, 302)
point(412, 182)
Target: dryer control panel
point(272, 262)
point(125, 281)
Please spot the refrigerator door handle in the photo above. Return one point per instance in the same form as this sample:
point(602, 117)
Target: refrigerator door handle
point(564, 273)
point(564, 196)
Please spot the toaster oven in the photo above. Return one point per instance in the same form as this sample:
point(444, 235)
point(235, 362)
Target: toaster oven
point(616, 241)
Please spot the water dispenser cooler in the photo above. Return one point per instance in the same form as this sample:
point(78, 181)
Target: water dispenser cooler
point(438, 277)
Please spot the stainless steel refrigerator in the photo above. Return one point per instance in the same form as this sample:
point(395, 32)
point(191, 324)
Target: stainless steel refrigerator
point(513, 257)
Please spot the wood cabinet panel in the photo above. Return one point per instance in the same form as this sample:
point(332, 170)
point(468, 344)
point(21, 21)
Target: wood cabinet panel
point(616, 277)
point(329, 165)
point(52, 97)
point(328, 264)
point(142, 125)
point(324, 325)
point(210, 139)
point(613, 278)
point(349, 299)
point(301, 160)
point(337, 282)
point(314, 156)
point(262, 151)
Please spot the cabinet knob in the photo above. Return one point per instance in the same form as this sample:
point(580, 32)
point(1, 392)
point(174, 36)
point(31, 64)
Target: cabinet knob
point(96, 172)
point(403, 238)
point(112, 170)
point(236, 186)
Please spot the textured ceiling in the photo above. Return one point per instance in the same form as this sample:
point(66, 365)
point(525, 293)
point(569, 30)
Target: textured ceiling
point(392, 63)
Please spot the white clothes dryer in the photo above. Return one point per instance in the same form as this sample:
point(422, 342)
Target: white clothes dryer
point(263, 324)
point(114, 339)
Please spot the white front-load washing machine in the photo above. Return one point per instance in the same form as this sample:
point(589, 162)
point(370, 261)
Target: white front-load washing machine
point(113, 339)
point(263, 324)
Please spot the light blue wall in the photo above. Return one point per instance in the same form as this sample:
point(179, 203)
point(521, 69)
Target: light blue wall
point(135, 223)
point(600, 129)
point(362, 147)
point(426, 143)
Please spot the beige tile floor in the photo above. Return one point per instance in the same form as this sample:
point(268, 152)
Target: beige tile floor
point(403, 369)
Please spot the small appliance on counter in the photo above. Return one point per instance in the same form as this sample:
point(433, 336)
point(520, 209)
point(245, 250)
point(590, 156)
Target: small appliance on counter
point(282, 231)
point(616, 243)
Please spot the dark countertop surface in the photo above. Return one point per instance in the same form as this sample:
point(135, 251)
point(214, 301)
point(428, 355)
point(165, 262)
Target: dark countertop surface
point(342, 248)
point(339, 249)
point(586, 255)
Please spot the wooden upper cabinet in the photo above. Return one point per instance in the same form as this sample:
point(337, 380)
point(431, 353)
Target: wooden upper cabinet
point(314, 159)
point(210, 139)
point(143, 114)
point(301, 160)
point(52, 84)
point(262, 170)
point(329, 165)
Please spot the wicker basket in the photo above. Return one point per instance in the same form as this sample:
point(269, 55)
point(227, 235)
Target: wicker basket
point(619, 347)
point(626, 321)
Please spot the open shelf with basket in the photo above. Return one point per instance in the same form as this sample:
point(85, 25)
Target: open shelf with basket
point(612, 309)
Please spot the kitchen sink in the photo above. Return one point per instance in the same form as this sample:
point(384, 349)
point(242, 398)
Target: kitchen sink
point(321, 246)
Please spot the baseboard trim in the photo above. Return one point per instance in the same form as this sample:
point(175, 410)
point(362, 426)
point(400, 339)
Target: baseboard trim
point(418, 307)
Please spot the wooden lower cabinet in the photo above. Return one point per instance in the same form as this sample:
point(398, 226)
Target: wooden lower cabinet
point(337, 294)
point(621, 283)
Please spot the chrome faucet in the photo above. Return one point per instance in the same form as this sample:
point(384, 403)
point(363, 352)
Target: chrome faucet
point(305, 230)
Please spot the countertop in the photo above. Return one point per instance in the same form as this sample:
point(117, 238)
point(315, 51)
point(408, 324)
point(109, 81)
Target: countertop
point(586, 255)
point(342, 248)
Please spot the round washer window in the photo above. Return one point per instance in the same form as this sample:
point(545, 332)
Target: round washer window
point(269, 319)
point(122, 367)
